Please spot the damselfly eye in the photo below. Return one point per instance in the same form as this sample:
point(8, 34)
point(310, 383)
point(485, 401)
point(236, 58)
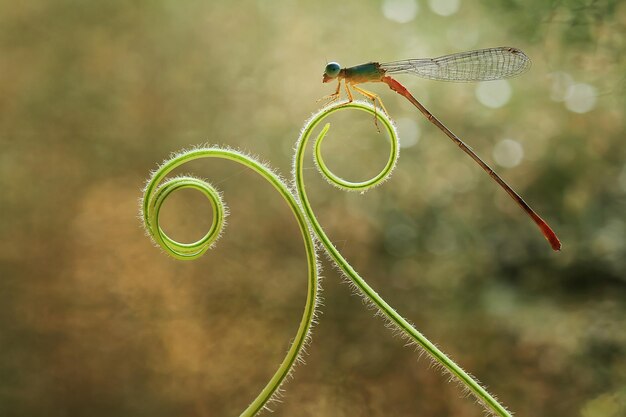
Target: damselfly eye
point(332, 69)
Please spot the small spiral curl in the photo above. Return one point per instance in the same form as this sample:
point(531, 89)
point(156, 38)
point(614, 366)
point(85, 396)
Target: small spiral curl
point(332, 178)
point(185, 251)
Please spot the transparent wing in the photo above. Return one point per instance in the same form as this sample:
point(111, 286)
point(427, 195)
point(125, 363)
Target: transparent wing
point(481, 65)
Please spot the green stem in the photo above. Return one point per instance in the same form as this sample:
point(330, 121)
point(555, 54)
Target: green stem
point(490, 403)
point(155, 194)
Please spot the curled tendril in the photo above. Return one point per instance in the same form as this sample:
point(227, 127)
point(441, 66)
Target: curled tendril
point(185, 251)
point(157, 191)
point(339, 182)
point(395, 320)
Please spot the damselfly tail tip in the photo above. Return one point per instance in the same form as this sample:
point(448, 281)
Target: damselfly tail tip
point(550, 236)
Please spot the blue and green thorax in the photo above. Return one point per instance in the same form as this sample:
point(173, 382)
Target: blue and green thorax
point(363, 73)
point(372, 71)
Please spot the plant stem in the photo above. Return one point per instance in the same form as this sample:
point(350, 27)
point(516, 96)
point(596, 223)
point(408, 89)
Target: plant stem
point(490, 403)
point(155, 194)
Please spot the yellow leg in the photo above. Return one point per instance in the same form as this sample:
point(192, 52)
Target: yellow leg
point(350, 98)
point(373, 97)
point(334, 96)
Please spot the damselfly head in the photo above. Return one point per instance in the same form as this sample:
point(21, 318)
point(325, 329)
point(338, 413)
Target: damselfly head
point(331, 72)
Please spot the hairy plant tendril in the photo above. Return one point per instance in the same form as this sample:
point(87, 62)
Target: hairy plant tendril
point(155, 193)
point(157, 190)
point(395, 320)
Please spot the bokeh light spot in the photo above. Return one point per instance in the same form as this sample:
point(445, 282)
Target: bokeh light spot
point(494, 94)
point(508, 153)
point(609, 240)
point(401, 11)
point(561, 83)
point(408, 132)
point(581, 98)
point(444, 7)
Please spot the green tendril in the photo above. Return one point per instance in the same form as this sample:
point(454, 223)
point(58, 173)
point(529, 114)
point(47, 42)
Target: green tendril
point(186, 251)
point(157, 190)
point(155, 193)
point(356, 186)
point(397, 321)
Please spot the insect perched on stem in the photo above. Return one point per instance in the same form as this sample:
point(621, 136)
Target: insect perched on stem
point(480, 65)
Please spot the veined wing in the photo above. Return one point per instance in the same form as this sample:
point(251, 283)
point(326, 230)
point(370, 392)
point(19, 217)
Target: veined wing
point(480, 65)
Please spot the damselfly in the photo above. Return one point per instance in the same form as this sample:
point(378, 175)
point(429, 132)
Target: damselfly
point(481, 65)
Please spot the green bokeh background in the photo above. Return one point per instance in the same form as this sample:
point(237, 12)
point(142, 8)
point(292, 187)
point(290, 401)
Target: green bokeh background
point(94, 321)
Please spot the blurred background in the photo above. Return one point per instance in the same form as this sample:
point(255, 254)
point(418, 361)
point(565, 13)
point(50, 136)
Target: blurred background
point(94, 320)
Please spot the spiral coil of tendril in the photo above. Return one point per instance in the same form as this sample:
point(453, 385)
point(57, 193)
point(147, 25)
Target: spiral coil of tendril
point(184, 251)
point(157, 190)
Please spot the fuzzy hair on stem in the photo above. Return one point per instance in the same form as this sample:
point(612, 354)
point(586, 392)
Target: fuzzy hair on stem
point(315, 240)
